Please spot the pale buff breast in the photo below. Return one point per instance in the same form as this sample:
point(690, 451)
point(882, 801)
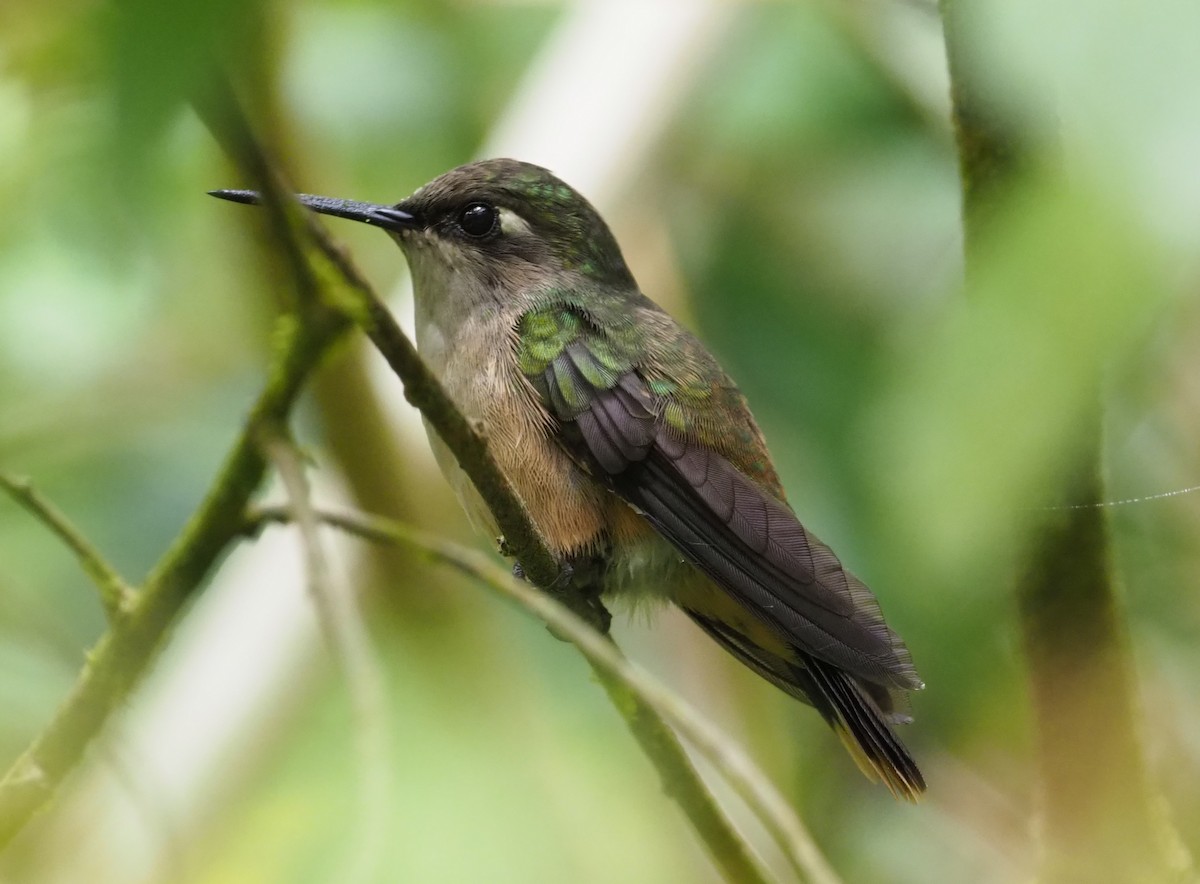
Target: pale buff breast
point(478, 368)
point(574, 513)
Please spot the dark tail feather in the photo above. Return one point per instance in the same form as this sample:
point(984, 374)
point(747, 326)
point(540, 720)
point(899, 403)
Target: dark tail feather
point(859, 723)
point(859, 712)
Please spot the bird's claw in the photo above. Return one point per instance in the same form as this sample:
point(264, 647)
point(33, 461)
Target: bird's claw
point(565, 573)
point(561, 582)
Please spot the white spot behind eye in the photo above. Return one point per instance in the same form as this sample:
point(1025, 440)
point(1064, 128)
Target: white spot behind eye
point(512, 223)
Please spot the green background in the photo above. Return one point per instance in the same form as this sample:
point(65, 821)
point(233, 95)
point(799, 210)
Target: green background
point(800, 209)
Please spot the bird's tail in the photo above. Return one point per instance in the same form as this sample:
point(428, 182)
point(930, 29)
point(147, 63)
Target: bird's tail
point(860, 713)
point(858, 721)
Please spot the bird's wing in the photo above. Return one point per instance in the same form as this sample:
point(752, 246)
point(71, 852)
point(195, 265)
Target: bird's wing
point(651, 434)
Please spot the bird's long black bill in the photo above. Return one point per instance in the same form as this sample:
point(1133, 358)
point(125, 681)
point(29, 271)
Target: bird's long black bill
point(387, 217)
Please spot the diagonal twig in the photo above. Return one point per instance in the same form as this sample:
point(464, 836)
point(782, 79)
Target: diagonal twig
point(620, 676)
point(350, 644)
point(115, 593)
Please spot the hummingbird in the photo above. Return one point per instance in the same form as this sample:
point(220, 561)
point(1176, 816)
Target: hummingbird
point(633, 451)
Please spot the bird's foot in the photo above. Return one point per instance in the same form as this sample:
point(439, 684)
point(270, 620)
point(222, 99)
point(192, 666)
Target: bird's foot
point(560, 583)
point(566, 573)
point(582, 597)
point(578, 586)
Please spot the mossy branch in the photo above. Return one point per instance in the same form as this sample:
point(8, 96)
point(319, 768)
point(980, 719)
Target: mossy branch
point(123, 655)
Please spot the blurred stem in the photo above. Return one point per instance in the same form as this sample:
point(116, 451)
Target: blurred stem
point(115, 593)
point(359, 439)
point(644, 714)
point(376, 463)
point(1100, 818)
point(990, 154)
point(643, 702)
point(350, 644)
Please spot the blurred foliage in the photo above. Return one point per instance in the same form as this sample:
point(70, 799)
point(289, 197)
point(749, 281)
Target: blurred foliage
point(811, 208)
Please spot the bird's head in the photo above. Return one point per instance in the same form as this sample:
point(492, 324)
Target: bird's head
point(496, 223)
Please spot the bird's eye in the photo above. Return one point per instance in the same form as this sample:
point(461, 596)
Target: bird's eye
point(478, 219)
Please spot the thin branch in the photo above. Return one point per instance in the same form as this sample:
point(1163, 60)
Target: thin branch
point(622, 679)
point(421, 388)
point(115, 593)
point(350, 643)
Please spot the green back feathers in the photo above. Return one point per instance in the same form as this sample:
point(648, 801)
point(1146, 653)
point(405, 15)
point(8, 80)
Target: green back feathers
point(586, 344)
